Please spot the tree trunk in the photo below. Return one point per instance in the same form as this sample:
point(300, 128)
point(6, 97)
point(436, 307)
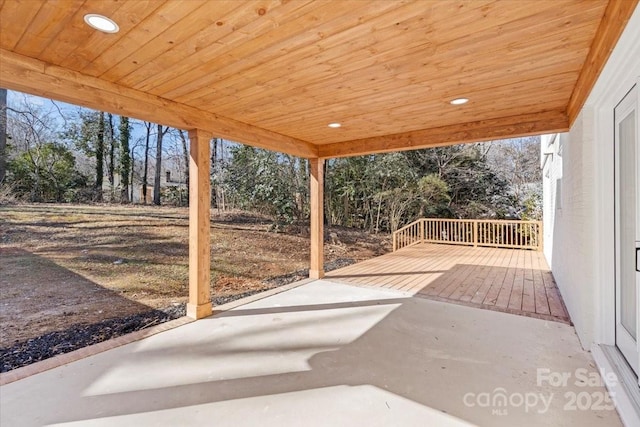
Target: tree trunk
point(185, 155)
point(214, 170)
point(145, 176)
point(100, 158)
point(221, 200)
point(125, 159)
point(156, 181)
point(111, 160)
point(133, 163)
point(3, 134)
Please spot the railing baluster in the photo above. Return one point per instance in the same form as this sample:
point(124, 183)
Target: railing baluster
point(494, 233)
point(518, 235)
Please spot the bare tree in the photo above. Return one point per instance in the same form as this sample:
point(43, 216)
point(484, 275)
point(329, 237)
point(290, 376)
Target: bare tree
point(145, 175)
point(213, 172)
point(185, 154)
point(156, 183)
point(133, 150)
point(111, 165)
point(3, 133)
point(518, 161)
point(125, 159)
point(46, 165)
point(99, 158)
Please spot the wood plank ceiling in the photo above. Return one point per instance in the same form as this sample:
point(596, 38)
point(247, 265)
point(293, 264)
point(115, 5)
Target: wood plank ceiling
point(275, 73)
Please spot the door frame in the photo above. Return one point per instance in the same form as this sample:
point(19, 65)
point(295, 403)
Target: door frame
point(627, 105)
point(598, 121)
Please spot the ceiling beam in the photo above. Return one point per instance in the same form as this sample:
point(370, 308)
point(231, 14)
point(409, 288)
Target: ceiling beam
point(24, 74)
point(483, 130)
point(616, 16)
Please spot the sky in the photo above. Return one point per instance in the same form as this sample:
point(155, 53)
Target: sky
point(59, 109)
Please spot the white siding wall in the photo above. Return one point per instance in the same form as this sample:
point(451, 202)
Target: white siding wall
point(569, 221)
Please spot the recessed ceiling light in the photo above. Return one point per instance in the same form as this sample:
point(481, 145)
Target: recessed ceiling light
point(334, 125)
point(459, 101)
point(101, 23)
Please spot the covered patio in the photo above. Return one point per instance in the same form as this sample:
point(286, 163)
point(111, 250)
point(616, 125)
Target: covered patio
point(385, 76)
point(313, 79)
point(322, 354)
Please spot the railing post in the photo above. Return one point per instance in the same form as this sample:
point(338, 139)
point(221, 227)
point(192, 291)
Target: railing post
point(475, 233)
point(540, 237)
point(395, 241)
point(422, 231)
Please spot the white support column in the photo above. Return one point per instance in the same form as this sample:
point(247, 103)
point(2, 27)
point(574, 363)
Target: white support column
point(316, 195)
point(199, 304)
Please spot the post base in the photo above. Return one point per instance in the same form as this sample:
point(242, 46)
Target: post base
point(316, 274)
point(199, 311)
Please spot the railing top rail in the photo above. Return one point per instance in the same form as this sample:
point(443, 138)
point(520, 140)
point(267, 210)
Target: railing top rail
point(409, 225)
point(514, 221)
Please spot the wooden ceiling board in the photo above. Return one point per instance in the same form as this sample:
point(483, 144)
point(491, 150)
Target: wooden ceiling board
point(307, 44)
point(373, 45)
point(233, 53)
point(427, 117)
point(231, 50)
point(458, 84)
point(408, 115)
point(13, 29)
point(411, 96)
point(128, 16)
point(76, 32)
point(337, 40)
point(248, 21)
point(187, 37)
point(463, 77)
point(262, 92)
point(274, 73)
point(44, 27)
point(138, 39)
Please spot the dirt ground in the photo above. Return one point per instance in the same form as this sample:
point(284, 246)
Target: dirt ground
point(62, 265)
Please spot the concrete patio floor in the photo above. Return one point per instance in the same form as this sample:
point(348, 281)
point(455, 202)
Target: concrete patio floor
point(327, 354)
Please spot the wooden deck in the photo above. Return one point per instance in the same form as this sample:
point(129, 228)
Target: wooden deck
point(514, 281)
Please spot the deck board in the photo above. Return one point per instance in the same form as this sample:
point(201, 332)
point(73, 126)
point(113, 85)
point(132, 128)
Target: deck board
point(528, 297)
point(515, 299)
point(510, 280)
point(474, 280)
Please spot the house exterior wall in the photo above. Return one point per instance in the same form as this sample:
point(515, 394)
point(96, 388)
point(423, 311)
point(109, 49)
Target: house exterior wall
point(569, 217)
point(578, 181)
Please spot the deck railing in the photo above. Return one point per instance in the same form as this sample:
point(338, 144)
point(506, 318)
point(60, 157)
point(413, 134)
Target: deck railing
point(471, 232)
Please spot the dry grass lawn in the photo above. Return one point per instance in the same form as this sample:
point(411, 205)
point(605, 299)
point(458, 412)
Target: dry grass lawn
point(62, 265)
